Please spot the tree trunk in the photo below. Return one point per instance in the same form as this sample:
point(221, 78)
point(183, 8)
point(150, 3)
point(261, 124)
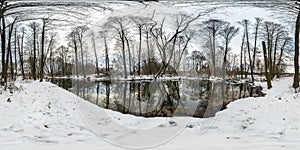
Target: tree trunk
point(241, 60)
point(274, 56)
point(62, 61)
point(224, 60)
point(51, 64)
point(270, 49)
point(11, 27)
point(76, 55)
point(214, 51)
point(280, 57)
point(140, 50)
point(182, 52)
point(9, 49)
point(106, 56)
point(129, 56)
point(9, 54)
point(149, 53)
point(255, 42)
point(95, 52)
point(107, 93)
point(21, 53)
point(81, 51)
point(245, 64)
point(42, 51)
point(34, 52)
point(15, 53)
point(3, 48)
point(267, 74)
point(249, 55)
point(123, 52)
point(165, 64)
point(296, 55)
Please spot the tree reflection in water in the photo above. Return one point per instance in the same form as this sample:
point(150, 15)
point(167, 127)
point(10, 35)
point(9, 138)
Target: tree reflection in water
point(197, 98)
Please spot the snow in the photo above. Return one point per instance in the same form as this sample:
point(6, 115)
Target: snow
point(41, 115)
point(102, 77)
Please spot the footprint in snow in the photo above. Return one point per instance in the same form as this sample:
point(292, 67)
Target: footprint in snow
point(236, 138)
point(190, 126)
point(104, 135)
point(172, 123)
point(244, 127)
point(48, 141)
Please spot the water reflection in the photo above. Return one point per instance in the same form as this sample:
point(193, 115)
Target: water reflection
point(197, 98)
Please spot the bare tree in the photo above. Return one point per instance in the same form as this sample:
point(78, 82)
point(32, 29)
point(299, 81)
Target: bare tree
point(95, 51)
point(131, 70)
point(44, 24)
point(296, 55)
point(227, 33)
point(148, 25)
point(241, 56)
point(211, 30)
point(34, 27)
point(9, 50)
point(140, 23)
point(103, 34)
point(274, 34)
point(80, 30)
point(31, 10)
point(50, 48)
point(106, 55)
point(256, 26)
point(74, 44)
point(119, 24)
point(246, 24)
point(3, 4)
point(286, 44)
point(167, 44)
point(62, 51)
point(183, 42)
point(267, 73)
point(15, 53)
point(269, 34)
point(21, 51)
point(280, 36)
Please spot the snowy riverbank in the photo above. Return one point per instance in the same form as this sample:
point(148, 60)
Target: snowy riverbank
point(44, 116)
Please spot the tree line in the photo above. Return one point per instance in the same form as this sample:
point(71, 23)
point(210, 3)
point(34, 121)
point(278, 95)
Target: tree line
point(146, 47)
point(142, 46)
point(27, 37)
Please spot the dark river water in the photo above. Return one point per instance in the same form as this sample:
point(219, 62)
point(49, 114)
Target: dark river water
point(197, 98)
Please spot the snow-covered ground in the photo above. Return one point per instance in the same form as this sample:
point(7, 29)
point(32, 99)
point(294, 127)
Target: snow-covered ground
point(40, 115)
